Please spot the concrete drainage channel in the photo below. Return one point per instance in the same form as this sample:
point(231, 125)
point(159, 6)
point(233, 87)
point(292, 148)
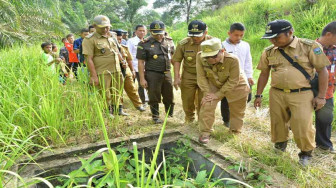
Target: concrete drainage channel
point(65, 160)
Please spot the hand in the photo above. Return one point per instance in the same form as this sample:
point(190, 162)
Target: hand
point(94, 80)
point(58, 60)
point(177, 83)
point(250, 81)
point(133, 74)
point(209, 98)
point(143, 83)
point(318, 103)
point(124, 64)
point(257, 102)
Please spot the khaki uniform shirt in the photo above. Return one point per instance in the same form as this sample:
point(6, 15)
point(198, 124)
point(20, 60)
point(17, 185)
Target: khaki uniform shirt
point(186, 50)
point(125, 53)
point(104, 51)
point(156, 54)
point(307, 53)
point(225, 76)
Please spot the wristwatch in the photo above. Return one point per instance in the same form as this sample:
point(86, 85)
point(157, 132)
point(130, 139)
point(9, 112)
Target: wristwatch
point(258, 96)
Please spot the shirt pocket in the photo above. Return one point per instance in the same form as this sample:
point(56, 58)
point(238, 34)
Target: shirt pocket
point(223, 76)
point(274, 63)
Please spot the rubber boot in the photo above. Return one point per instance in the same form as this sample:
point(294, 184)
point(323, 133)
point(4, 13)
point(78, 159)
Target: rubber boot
point(111, 110)
point(121, 112)
point(155, 113)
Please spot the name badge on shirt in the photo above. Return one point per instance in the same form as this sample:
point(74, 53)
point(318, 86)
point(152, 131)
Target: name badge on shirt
point(332, 70)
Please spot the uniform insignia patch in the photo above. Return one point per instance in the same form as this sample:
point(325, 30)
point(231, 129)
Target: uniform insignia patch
point(207, 49)
point(155, 56)
point(102, 50)
point(184, 41)
point(268, 29)
point(189, 58)
point(194, 27)
point(317, 51)
point(140, 47)
point(157, 26)
point(152, 46)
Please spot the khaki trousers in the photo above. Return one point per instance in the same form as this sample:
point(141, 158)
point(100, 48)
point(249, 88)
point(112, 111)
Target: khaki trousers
point(131, 90)
point(237, 113)
point(111, 87)
point(191, 95)
point(294, 110)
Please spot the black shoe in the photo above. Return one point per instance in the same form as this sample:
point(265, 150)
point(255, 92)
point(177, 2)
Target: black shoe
point(281, 146)
point(121, 112)
point(305, 157)
point(140, 108)
point(304, 160)
point(157, 121)
point(227, 124)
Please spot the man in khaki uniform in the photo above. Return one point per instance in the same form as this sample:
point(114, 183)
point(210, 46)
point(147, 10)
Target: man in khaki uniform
point(101, 53)
point(129, 74)
point(219, 76)
point(186, 51)
point(291, 98)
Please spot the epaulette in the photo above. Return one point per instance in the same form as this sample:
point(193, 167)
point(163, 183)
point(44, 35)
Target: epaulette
point(307, 41)
point(269, 47)
point(89, 35)
point(184, 41)
point(168, 37)
point(207, 37)
point(146, 39)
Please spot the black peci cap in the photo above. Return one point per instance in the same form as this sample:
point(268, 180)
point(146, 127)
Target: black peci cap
point(157, 27)
point(118, 31)
point(276, 27)
point(196, 28)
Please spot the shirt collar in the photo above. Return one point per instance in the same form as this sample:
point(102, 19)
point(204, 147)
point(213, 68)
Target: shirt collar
point(292, 44)
point(228, 41)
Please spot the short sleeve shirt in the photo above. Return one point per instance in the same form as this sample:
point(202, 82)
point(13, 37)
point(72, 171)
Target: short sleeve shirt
point(186, 51)
point(72, 55)
point(330, 52)
point(104, 51)
point(307, 53)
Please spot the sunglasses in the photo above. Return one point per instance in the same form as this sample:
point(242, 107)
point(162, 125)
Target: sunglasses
point(211, 57)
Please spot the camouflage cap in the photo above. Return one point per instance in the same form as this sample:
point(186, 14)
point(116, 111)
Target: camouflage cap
point(210, 47)
point(102, 21)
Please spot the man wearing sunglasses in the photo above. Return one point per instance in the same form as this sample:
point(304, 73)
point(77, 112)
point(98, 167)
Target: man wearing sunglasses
point(219, 76)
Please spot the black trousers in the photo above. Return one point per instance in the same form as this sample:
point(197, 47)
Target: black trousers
point(141, 90)
point(323, 122)
point(225, 110)
point(160, 84)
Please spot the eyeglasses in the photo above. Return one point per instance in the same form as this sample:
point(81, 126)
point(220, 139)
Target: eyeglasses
point(212, 57)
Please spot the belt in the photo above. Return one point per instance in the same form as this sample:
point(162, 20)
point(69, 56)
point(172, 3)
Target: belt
point(162, 72)
point(293, 90)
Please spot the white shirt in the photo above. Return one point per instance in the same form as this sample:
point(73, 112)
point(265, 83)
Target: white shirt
point(242, 51)
point(132, 44)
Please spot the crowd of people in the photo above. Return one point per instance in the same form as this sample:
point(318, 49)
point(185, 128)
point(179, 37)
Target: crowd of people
point(213, 71)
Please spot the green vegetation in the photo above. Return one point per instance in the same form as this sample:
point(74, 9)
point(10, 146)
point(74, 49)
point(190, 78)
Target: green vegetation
point(38, 113)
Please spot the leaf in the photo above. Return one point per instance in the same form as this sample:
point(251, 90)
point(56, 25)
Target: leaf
point(250, 175)
point(108, 160)
point(77, 174)
point(94, 167)
point(201, 177)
